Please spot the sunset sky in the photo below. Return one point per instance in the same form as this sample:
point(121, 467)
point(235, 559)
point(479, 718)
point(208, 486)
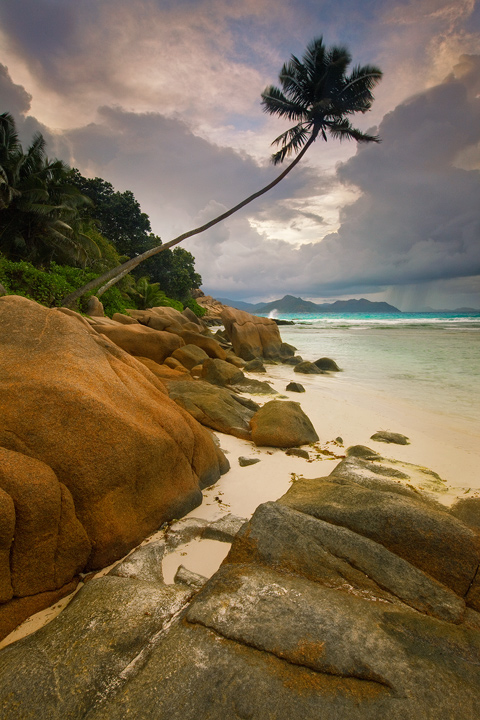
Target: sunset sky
point(162, 97)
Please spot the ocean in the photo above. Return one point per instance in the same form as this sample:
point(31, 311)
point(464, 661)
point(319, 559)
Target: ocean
point(429, 360)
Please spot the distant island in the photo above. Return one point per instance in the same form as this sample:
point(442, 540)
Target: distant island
point(290, 304)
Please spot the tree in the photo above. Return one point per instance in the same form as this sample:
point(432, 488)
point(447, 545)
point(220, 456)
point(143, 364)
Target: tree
point(174, 272)
point(118, 215)
point(319, 96)
point(39, 208)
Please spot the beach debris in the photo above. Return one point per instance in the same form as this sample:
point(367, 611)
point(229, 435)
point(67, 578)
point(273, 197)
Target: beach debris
point(298, 452)
point(295, 387)
point(327, 364)
point(308, 368)
point(390, 437)
point(323, 452)
point(244, 461)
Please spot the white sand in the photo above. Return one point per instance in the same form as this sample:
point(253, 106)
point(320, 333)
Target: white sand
point(337, 408)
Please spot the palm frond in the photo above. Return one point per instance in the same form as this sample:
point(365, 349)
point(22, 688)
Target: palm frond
point(292, 141)
point(275, 103)
point(343, 130)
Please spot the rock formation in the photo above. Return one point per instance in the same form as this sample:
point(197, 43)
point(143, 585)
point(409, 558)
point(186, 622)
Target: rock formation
point(312, 615)
point(94, 454)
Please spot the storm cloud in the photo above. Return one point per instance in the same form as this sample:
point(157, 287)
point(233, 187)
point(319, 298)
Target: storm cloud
point(163, 98)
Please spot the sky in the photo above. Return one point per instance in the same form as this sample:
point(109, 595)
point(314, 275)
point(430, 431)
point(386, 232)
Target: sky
point(162, 97)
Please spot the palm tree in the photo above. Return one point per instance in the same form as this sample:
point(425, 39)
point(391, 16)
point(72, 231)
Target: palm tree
point(319, 97)
point(39, 209)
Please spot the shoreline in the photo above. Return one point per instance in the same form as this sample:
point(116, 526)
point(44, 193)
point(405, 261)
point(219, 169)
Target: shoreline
point(338, 408)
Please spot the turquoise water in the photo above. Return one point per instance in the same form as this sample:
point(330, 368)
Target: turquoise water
point(430, 360)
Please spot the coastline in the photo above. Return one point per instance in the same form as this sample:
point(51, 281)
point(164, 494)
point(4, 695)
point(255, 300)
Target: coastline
point(338, 408)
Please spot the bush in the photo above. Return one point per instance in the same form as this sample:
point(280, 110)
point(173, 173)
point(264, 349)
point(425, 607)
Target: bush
point(195, 307)
point(49, 287)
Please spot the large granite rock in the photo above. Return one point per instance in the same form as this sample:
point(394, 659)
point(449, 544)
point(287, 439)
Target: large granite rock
point(306, 618)
point(68, 665)
point(418, 530)
point(253, 336)
point(143, 341)
point(129, 456)
point(214, 407)
point(282, 424)
point(45, 546)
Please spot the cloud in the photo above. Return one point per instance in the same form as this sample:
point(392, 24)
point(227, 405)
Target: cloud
point(15, 98)
point(417, 219)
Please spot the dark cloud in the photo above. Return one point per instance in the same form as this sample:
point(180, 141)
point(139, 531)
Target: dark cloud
point(175, 173)
point(13, 98)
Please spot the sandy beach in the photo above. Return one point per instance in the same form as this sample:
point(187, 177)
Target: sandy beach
point(343, 414)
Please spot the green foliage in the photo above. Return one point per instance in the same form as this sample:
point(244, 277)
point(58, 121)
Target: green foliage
point(195, 307)
point(118, 215)
point(174, 271)
point(49, 287)
point(40, 211)
point(319, 96)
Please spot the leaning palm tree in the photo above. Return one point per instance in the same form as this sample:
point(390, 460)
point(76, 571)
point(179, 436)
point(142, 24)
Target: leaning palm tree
point(318, 95)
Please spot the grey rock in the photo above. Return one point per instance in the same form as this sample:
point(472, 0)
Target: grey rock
point(224, 529)
point(420, 532)
point(215, 407)
point(308, 368)
point(255, 387)
point(244, 461)
point(298, 452)
point(183, 531)
point(468, 511)
point(255, 365)
point(333, 555)
point(145, 563)
point(295, 387)
point(295, 360)
point(63, 669)
point(327, 364)
point(185, 576)
point(390, 437)
point(362, 451)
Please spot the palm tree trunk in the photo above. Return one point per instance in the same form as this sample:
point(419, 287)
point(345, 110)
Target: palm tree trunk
point(112, 276)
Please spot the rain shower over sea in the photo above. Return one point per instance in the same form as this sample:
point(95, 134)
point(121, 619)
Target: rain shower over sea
point(430, 361)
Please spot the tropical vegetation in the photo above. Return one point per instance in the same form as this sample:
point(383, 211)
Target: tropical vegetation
point(59, 231)
point(319, 96)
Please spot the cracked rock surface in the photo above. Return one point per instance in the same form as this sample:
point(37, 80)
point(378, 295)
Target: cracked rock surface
point(343, 600)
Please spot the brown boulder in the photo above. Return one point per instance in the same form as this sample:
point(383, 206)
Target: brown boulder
point(219, 372)
point(253, 336)
point(208, 344)
point(282, 424)
point(190, 356)
point(164, 372)
point(214, 407)
point(142, 341)
point(49, 545)
point(99, 419)
point(7, 530)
